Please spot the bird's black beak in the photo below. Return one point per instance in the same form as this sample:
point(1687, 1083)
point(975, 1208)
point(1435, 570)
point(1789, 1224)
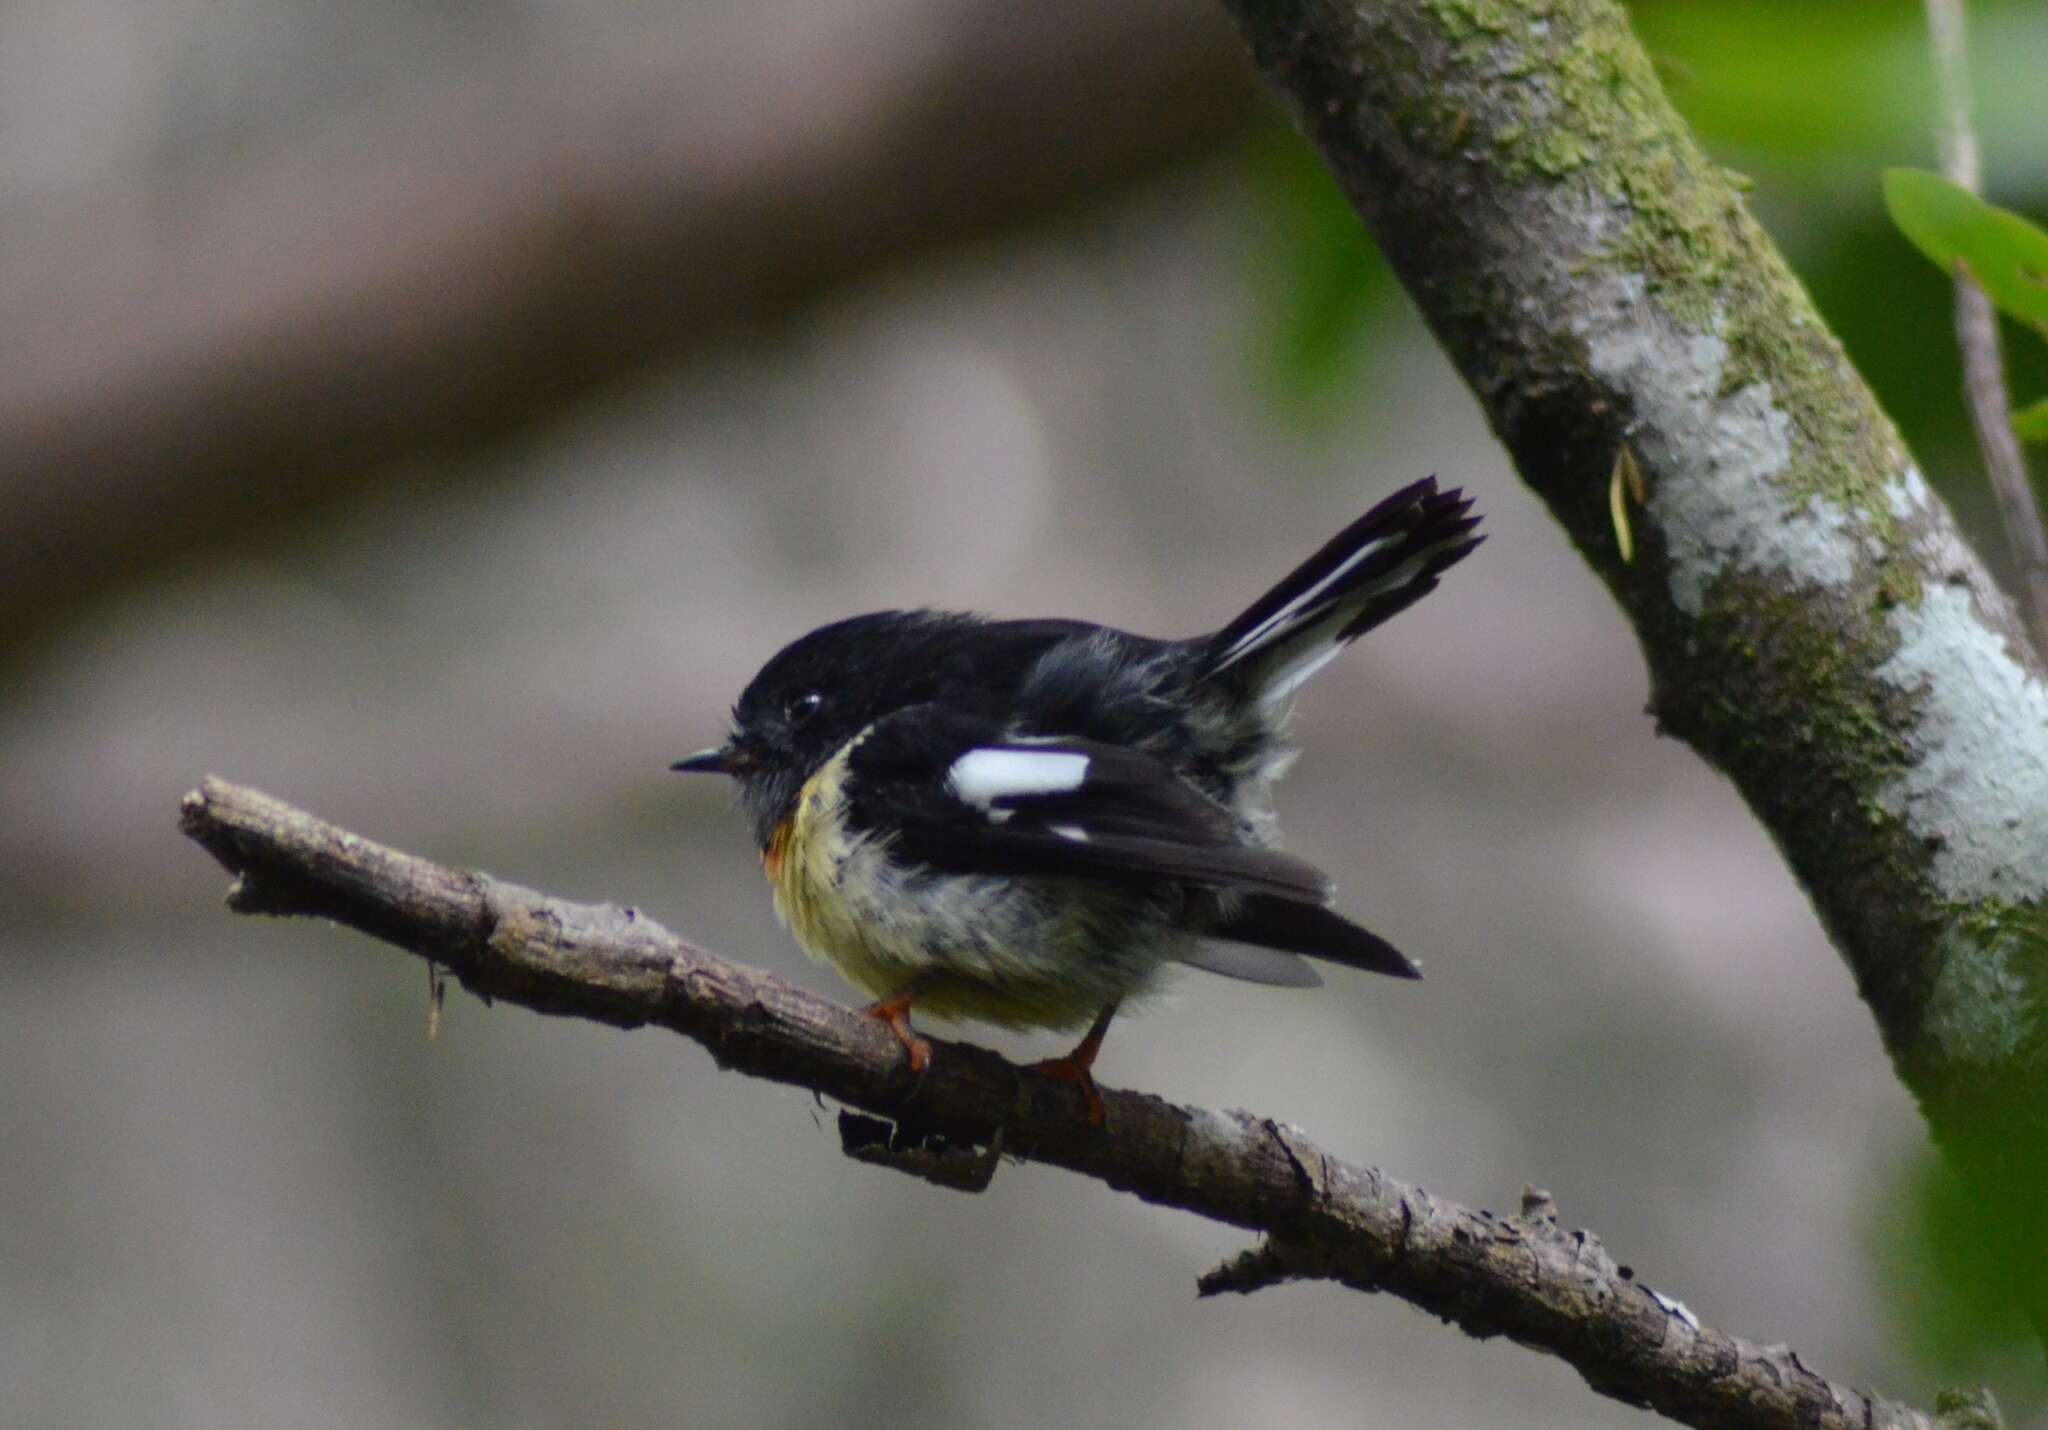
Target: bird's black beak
point(718, 760)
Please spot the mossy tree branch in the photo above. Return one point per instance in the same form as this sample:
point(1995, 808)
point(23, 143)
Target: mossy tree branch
point(1523, 1277)
point(1813, 623)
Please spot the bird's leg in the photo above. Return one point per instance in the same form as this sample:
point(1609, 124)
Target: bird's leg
point(1074, 1067)
point(895, 1012)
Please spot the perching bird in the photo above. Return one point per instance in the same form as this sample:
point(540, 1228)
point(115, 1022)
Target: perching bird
point(1026, 822)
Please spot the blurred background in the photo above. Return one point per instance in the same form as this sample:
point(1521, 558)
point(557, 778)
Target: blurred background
point(432, 414)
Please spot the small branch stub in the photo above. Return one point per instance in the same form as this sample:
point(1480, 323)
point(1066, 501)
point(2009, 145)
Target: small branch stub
point(1268, 1264)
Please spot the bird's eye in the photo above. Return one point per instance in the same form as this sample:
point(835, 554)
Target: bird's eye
point(802, 707)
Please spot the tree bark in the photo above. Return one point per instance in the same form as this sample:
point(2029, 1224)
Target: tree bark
point(1523, 1277)
point(1814, 625)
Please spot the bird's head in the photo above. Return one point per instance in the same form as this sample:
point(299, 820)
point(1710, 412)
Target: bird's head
point(809, 700)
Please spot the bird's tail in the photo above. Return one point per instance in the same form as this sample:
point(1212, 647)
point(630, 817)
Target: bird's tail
point(1381, 564)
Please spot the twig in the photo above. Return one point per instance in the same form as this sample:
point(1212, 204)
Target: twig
point(1522, 1277)
point(1977, 329)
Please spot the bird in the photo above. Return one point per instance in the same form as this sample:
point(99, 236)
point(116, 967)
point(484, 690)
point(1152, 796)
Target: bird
point(1028, 822)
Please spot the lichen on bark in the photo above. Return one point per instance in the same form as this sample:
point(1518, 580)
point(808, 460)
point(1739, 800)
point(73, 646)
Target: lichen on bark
point(1812, 622)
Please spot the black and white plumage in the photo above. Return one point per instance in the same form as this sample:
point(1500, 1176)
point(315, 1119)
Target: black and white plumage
point(1024, 822)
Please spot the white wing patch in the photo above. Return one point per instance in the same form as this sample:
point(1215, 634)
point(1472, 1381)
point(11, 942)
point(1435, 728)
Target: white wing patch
point(981, 777)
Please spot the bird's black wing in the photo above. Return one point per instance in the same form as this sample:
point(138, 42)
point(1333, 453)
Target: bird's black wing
point(956, 793)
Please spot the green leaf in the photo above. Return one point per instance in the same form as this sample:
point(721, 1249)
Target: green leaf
point(2006, 254)
point(2030, 424)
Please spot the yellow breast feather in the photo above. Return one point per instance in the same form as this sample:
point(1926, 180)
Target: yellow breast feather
point(825, 878)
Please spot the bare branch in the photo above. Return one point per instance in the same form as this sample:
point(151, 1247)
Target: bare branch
point(1977, 329)
point(1947, 28)
point(1521, 1277)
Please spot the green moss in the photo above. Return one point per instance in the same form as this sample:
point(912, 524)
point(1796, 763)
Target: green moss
point(1557, 152)
point(1844, 452)
point(1589, 106)
point(1898, 584)
point(1584, 90)
point(1467, 22)
point(1784, 645)
point(1587, 110)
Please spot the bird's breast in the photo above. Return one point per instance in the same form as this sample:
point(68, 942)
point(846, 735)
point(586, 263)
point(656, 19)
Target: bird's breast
point(836, 889)
point(1005, 949)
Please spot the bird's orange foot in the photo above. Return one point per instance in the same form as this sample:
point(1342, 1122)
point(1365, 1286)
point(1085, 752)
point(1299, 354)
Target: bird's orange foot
point(1076, 1067)
point(895, 1012)
point(1071, 1069)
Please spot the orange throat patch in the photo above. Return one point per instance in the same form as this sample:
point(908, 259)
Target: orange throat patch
point(778, 849)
